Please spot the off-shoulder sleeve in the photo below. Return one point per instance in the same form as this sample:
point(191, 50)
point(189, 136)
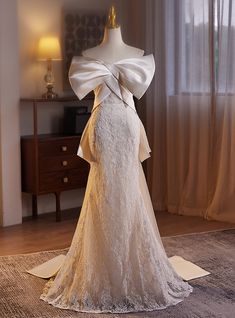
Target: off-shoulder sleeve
point(85, 75)
point(136, 74)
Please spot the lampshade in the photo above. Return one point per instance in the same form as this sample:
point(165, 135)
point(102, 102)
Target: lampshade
point(49, 48)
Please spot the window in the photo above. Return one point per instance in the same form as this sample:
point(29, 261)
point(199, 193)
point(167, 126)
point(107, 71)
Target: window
point(200, 46)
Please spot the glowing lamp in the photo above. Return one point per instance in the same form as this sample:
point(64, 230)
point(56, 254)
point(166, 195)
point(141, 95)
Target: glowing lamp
point(49, 50)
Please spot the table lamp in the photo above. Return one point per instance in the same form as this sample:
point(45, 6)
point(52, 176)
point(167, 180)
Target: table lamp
point(49, 50)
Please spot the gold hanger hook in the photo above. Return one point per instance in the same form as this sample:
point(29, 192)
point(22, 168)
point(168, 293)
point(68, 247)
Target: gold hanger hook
point(112, 23)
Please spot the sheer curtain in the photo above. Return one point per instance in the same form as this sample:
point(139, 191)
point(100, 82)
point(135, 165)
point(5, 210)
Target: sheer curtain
point(190, 108)
point(222, 199)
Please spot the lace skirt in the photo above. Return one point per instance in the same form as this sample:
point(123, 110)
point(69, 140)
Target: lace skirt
point(116, 262)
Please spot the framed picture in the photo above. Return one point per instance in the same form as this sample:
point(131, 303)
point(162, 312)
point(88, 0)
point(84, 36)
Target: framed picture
point(80, 30)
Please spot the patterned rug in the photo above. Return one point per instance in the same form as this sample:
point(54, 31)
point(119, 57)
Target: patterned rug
point(213, 296)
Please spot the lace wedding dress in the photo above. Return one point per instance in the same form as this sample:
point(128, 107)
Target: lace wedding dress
point(116, 262)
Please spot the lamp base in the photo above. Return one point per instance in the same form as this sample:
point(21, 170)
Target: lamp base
point(49, 79)
point(49, 94)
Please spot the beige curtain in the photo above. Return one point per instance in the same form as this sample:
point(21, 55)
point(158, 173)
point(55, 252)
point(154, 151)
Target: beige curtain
point(191, 107)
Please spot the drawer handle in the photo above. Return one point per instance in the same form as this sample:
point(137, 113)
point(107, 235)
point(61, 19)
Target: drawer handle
point(64, 163)
point(64, 148)
point(65, 179)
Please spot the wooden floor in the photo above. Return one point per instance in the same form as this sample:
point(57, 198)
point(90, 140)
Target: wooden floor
point(46, 234)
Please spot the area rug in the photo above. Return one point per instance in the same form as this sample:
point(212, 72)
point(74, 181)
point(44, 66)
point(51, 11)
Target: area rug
point(213, 295)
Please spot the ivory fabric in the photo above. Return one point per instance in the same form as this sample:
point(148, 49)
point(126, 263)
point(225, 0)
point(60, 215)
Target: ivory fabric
point(116, 262)
point(185, 269)
point(120, 80)
point(48, 269)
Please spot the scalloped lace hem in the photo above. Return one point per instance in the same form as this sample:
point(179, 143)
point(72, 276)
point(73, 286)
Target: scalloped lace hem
point(118, 309)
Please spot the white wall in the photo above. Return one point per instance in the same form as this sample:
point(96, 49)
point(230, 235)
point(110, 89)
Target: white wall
point(10, 187)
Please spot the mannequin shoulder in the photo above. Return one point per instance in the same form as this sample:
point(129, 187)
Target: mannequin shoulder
point(112, 53)
point(92, 52)
point(126, 49)
point(132, 51)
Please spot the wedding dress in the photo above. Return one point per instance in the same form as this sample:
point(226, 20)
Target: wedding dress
point(116, 262)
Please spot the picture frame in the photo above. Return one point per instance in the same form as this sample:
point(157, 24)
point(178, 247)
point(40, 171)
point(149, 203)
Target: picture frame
point(80, 30)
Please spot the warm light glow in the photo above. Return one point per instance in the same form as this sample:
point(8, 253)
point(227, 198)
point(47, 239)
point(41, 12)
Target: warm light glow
point(49, 48)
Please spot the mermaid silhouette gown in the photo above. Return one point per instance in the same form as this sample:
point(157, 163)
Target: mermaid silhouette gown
point(116, 262)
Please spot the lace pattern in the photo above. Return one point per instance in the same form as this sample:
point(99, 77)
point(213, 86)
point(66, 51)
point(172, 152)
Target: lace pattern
point(116, 262)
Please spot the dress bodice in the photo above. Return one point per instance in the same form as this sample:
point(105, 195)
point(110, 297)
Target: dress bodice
point(124, 78)
point(112, 83)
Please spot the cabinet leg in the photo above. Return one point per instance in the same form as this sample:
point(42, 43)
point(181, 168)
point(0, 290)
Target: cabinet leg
point(35, 206)
point(58, 210)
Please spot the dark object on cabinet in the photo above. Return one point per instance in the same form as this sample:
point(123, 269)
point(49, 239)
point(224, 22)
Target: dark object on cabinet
point(75, 119)
point(50, 163)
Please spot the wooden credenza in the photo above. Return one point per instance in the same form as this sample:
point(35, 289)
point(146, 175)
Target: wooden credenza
point(49, 162)
point(55, 168)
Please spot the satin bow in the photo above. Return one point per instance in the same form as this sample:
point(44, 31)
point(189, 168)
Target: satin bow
point(124, 78)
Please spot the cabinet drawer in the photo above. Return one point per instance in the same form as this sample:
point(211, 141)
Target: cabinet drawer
point(63, 180)
point(63, 146)
point(58, 163)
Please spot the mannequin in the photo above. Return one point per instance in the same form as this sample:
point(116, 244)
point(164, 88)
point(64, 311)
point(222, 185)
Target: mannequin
point(112, 47)
point(115, 264)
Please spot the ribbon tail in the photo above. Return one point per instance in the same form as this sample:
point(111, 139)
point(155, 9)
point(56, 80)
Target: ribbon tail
point(84, 149)
point(144, 148)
